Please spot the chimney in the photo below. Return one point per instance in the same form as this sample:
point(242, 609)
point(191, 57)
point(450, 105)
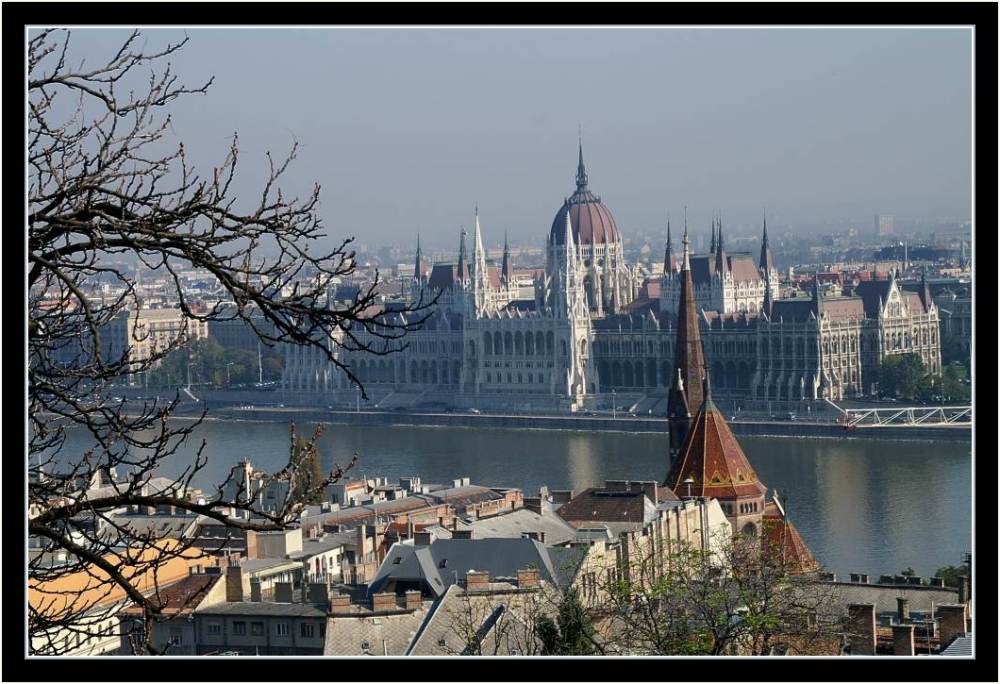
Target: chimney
point(461, 534)
point(385, 601)
point(533, 503)
point(936, 581)
point(527, 578)
point(413, 600)
point(649, 489)
point(855, 578)
point(951, 621)
point(561, 496)
point(234, 581)
point(318, 593)
point(477, 580)
point(283, 592)
point(902, 640)
point(861, 618)
point(251, 544)
point(963, 589)
point(422, 538)
point(255, 593)
point(864, 579)
point(903, 609)
point(340, 603)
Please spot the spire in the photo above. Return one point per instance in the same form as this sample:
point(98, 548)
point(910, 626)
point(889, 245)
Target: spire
point(418, 267)
point(507, 269)
point(581, 170)
point(686, 392)
point(925, 290)
point(707, 391)
point(461, 257)
point(766, 257)
point(687, 255)
point(711, 247)
point(721, 263)
point(669, 262)
point(817, 297)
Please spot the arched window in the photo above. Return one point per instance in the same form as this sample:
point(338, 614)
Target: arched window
point(487, 344)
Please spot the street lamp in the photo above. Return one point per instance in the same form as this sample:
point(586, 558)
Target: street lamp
point(689, 481)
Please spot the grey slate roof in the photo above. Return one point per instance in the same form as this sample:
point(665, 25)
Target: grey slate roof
point(884, 596)
point(345, 635)
point(499, 557)
point(262, 608)
point(515, 523)
point(960, 646)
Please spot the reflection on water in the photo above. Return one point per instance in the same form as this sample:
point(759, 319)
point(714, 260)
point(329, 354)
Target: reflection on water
point(861, 506)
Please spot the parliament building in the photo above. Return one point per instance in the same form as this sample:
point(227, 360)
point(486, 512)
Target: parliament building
point(599, 330)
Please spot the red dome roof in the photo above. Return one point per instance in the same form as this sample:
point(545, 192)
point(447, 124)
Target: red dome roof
point(592, 221)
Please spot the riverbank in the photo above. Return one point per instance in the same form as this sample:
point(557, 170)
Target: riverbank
point(786, 429)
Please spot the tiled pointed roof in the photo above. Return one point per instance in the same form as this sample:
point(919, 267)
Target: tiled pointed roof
point(713, 459)
point(782, 538)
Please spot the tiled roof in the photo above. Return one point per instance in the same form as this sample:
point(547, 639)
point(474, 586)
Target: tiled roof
point(784, 540)
point(464, 496)
point(591, 220)
point(713, 459)
point(182, 597)
point(600, 505)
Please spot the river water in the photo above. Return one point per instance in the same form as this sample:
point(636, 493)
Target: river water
point(861, 506)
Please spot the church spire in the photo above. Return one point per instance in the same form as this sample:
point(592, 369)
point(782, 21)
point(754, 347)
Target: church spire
point(686, 392)
point(711, 247)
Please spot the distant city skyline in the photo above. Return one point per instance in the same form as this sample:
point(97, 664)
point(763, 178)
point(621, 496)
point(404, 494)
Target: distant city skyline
point(407, 130)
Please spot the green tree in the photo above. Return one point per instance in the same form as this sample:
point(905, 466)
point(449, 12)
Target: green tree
point(571, 633)
point(307, 469)
point(952, 574)
point(953, 385)
point(902, 376)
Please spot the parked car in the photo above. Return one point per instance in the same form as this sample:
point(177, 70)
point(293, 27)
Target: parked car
point(475, 410)
point(791, 416)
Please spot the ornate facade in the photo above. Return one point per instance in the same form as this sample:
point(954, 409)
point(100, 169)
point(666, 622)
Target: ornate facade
point(586, 336)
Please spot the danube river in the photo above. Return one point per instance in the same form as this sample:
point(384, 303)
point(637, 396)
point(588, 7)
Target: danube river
point(862, 506)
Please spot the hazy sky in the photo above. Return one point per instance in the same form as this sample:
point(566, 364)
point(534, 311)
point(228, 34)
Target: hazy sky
point(406, 129)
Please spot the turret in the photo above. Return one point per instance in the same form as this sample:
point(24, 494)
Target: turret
point(766, 257)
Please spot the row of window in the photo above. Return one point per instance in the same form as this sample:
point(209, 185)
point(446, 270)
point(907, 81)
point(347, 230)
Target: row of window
point(306, 629)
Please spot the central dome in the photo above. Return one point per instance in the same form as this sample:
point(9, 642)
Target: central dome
point(591, 220)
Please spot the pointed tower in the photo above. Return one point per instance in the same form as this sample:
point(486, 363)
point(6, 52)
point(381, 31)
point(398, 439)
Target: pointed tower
point(507, 268)
point(925, 291)
point(689, 360)
point(721, 262)
point(767, 271)
point(711, 463)
point(477, 272)
point(711, 248)
point(462, 274)
point(418, 266)
point(581, 171)
point(669, 261)
point(817, 297)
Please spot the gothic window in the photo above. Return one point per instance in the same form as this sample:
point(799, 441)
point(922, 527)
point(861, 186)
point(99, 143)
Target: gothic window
point(519, 343)
point(489, 378)
point(529, 344)
point(508, 344)
point(562, 347)
point(487, 344)
point(549, 343)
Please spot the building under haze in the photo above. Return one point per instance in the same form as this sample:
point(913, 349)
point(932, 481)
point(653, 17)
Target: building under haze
point(599, 331)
